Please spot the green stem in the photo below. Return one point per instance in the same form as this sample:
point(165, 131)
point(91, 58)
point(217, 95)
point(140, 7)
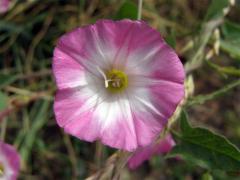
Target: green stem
point(200, 99)
point(139, 16)
point(3, 129)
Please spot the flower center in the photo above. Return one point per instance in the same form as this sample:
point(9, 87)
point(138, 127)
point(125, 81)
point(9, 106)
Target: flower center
point(116, 80)
point(1, 170)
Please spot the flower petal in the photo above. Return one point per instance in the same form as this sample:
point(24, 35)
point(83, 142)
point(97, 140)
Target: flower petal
point(161, 61)
point(10, 160)
point(129, 120)
point(68, 72)
point(115, 122)
point(166, 96)
point(4, 6)
point(89, 117)
point(144, 154)
point(80, 51)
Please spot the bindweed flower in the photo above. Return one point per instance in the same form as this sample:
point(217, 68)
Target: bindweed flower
point(9, 162)
point(144, 154)
point(118, 82)
point(4, 6)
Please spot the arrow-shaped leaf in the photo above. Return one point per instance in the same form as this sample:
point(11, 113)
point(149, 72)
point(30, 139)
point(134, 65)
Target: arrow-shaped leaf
point(206, 148)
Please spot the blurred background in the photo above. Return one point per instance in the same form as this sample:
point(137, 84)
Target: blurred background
point(29, 30)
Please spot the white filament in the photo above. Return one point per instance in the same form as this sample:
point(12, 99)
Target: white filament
point(104, 76)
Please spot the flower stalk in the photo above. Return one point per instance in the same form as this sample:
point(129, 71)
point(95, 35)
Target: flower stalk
point(139, 16)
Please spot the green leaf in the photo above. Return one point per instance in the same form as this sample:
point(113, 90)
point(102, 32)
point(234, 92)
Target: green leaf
point(216, 8)
point(6, 79)
point(185, 126)
point(230, 42)
point(205, 148)
point(171, 39)
point(38, 121)
point(230, 30)
point(3, 100)
point(127, 10)
point(231, 47)
point(207, 176)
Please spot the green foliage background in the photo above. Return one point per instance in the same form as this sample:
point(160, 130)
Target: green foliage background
point(206, 36)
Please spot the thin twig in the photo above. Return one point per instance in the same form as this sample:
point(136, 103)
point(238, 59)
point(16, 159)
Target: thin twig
point(198, 55)
point(3, 129)
point(9, 43)
point(161, 21)
point(112, 168)
point(72, 155)
point(98, 154)
point(200, 99)
point(139, 15)
point(17, 103)
point(33, 75)
point(37, 39)
point(25, 92)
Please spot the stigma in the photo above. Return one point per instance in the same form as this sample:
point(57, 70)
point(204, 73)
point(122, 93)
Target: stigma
point(114, 80)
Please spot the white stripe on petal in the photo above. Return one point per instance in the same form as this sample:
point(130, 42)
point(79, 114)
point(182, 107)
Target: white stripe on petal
point(106, 113)
point(92, 100)
point(141, 81)
point(101, 51)
point(8, 172)
point(141, 58)
point(146, 102)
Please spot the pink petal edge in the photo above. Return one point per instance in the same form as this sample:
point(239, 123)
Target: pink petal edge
point(146, 153)
point(12, 157)
point(4, 6)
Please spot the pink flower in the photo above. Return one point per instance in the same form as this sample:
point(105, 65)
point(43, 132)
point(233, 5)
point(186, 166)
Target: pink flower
point(118, 82)
point(146, 153)
point(4, 6)
point(9, 162)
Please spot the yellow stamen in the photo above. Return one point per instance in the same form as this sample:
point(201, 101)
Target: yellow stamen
point(116, 81)
point(1, 170)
